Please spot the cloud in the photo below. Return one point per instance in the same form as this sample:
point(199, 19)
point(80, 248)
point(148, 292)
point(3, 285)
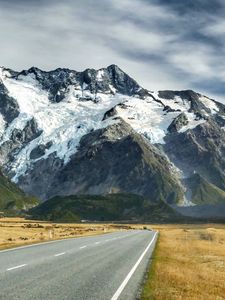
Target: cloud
point(216, 28)
point(163, 44)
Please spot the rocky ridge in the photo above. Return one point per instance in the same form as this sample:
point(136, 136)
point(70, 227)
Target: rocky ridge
point(65, 132)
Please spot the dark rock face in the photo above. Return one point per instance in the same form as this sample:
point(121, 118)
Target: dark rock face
point(8, 106)
point(41, 175)
point(191, 97)
point(123, 83)
point(109, 160)
point(18, 140)
point(178, 123)
point(39, 151)
point(200, 150)
point(188, 95)
point(29, 133)
point(57, 82)
point(110, 113)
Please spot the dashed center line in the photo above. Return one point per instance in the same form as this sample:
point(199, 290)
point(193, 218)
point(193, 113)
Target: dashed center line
point(83, 247)
point(62, 253)
point(16, 267)
point(59, 254)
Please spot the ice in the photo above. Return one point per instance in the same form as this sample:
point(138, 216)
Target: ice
point(4, 73)
point(192, 122)
point(147, 118)
point(209, 104)
point(63, 123)
point(100, 75)
point(80, 112)
point(113, 90)
point(177, 103)
point(2, 125)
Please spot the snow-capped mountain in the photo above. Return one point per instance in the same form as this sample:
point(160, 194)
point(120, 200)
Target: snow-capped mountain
point(65, 132)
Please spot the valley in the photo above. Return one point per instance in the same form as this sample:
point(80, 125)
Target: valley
point(112, 150)
point(185, 257)
point(92, 153)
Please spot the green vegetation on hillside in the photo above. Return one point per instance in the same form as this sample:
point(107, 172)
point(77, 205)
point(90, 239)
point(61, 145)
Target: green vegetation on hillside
point(164, 184)
point(12, 199)
point(111, 207)
point(204, 192)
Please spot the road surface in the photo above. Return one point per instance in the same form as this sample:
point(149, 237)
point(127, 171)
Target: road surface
point(103, 267)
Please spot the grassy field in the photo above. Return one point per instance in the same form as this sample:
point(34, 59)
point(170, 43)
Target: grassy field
point(188, 263)
point(18, 231)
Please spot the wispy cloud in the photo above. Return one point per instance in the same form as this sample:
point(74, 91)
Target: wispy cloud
point(164, 44)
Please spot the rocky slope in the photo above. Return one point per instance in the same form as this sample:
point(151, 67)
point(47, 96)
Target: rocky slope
point(12, 200)
point(111, 160)
point(98, 132)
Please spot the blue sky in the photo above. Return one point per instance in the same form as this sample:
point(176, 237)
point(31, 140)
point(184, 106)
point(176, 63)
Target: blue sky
point(163, 44)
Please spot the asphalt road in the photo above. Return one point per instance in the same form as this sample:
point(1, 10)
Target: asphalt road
point(103, 267)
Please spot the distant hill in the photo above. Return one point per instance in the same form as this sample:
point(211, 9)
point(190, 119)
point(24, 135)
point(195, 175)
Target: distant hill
point(111, 207)
point(12, 200)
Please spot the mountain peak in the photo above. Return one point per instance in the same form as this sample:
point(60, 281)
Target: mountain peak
point(109, 80)
point(46, 116)
point(115, 68)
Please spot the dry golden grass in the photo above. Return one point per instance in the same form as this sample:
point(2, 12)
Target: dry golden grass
point(18, 231)
point(188, 263)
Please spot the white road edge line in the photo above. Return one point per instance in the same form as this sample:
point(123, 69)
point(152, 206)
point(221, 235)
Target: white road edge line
point(83, 247)
point(59, 254)
point(16, 267)
point(129, 275)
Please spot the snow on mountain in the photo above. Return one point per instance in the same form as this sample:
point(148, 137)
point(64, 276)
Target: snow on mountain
point(192, 122)
point(147, 118)
point(62, 124)
point(209, 104)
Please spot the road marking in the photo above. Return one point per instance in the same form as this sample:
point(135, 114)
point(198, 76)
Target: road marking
point(49, 242)
point(121, 237)
point(16, 267)
point(96, 243)
point(83, 247)
point(129, 275)
point(59, 254)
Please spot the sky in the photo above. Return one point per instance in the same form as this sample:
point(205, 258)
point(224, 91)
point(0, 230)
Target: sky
point(162, 44)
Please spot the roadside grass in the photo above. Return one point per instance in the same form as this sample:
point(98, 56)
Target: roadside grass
point(146, 293)
point(188, 263)
point(18, 231)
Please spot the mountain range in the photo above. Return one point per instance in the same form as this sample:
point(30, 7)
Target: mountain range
point(65, 134)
